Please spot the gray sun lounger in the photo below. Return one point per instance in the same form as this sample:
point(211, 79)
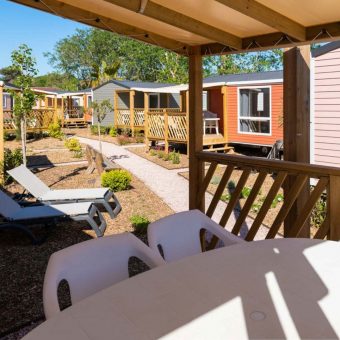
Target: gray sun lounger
point(17, 216)
point(50, 196)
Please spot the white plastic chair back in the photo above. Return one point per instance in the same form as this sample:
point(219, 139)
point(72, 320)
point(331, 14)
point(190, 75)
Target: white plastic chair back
point(93, 265)
point(8, 207)
point(178, 235)
point(29, 181)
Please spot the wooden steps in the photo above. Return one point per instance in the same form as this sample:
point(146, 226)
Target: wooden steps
point(225, 148)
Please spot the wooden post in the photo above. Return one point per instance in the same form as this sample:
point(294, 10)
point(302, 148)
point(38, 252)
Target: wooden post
point(166, 130)
point(196, 167)
point(55, 113)
point(225, 112)
point(146, 118)
point(115, 109)
point(187, 116)
point(296, 123)
point(132, 112)
point(181, 101)
point(62, 112)
point(46, 102)
point(1, 125)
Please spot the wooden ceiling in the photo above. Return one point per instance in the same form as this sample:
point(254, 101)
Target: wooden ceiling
point(218, 26)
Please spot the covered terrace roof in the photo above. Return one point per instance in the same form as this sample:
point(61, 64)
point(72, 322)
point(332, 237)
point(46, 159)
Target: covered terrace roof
point(217, 26)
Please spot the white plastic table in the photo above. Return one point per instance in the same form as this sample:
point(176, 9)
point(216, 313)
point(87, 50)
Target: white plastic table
point(287, 288)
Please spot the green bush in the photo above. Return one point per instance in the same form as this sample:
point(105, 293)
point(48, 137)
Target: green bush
point(225, 197)
point(103, 130)
point(175, 157)
point(140, 223)
point(245, 192)
point(166, 156)
point(116, 180)
point(319, 211)
point(152, 152)
point(12, 159)
point(139, 137)
point(54, 131)
point(278, 198)
point(161, 154)
point(113, 131)
point(73, 144)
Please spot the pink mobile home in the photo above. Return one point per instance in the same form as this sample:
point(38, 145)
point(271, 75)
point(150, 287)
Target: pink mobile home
point(325, 105)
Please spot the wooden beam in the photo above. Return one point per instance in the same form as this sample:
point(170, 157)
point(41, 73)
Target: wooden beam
point(267, 16)
point(88, 18)
point(146, 118)
point(1, 125)
point(296, 123)
point(132, 111)
point(182, 21)
point(196, 167)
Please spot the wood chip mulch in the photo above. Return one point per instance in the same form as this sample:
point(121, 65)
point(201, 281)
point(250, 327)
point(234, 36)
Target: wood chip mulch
point(23, 265)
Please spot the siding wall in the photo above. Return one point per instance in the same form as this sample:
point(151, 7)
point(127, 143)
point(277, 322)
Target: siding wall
point(276, 117)
point(327, 109)
point(102, 93)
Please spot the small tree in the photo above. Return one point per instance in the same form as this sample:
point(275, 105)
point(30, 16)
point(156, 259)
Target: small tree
point(100, 110)
point(25, 65)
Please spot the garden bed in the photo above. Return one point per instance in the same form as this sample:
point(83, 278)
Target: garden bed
point(47, 151)
point(118, 140)
point(145, 153)
point(23, 265)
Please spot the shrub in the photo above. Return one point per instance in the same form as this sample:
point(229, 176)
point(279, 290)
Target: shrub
point(123, 140)
point(54, 131)
point(245, 192)
point(116, 180)
point(278, 198)
point(12, 159)
point(140, 223)
point(161, 154)
point(225, 197)
point(73, 144)
point(113, 131)
point(319, 211)
point(94, 130)
point(152, 152)
point(166, 156)
point(175, 157)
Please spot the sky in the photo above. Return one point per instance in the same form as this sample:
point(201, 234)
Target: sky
point(39, 30)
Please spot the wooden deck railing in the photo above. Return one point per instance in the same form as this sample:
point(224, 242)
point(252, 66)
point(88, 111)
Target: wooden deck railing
point(37, 120)
point(124, 117)
point(326, 181)
point(167, 125)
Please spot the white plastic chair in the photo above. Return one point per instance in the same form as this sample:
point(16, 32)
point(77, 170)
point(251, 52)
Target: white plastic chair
point(178, 235)
point(93, 265)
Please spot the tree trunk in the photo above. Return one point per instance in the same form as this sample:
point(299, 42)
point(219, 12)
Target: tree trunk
point(99, 138)
point(23, 139)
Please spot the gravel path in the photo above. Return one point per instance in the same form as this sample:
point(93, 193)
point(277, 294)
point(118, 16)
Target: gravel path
point(167, 184)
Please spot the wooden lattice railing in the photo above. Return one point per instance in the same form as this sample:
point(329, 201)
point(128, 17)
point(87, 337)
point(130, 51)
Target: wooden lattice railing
point(167, 126)
point(138, 117)
point(266, 178)
point(75, 113)
point(37, 120)
point(123, 117)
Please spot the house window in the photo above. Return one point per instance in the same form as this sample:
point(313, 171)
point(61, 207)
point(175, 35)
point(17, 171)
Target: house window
point(6, 101)
point(205, 100)
point(89, 101)
point(254, 114)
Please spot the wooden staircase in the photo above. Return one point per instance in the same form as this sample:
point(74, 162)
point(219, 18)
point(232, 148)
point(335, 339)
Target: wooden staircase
point(225, 148)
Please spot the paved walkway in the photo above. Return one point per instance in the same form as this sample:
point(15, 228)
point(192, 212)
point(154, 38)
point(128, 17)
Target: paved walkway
point(167, 184)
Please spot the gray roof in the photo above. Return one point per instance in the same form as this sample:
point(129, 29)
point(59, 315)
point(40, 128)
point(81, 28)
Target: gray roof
point(325, 49)
point(244, 77)
point(128, 84)
point(9, 86)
